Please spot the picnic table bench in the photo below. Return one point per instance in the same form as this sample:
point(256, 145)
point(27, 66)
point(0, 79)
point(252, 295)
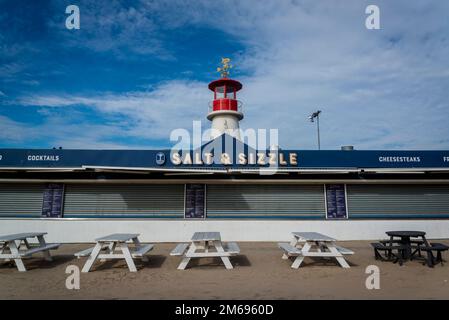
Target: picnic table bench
point(407, 244)
point(434, 247)
point(11, 247)
point(201, 243)
point(109, 244)
point(409, 240)
point(389, 249)
point(313, 244)
point(179, 249)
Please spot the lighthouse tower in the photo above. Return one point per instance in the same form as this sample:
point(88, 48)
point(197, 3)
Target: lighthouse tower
point(225, 110)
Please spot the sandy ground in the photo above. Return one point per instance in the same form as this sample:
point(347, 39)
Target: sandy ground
point(259, 273)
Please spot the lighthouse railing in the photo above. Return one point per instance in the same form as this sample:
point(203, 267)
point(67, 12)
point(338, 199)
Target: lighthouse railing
point(239, 106)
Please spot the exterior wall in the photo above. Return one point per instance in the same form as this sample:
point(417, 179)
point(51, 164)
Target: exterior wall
point(70, 231)
point(238, 201)
point(21, 200)
point(175, 230)
point(124, 201)
point(400, 201)
point(225, 122)
point(265, 201)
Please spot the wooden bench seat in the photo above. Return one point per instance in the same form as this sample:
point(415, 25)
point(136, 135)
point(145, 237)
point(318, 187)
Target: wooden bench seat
point(179, 249)
point(377, 246)
point(344, 250)
point(289, 249)
point(84, 253)
point(231, 247)
point(138, 253)
point(382, 247)
point(438, 246)
point(398, 241)
point(142, 250)
point(434, 247)
point(415, 244)
point(48, 246)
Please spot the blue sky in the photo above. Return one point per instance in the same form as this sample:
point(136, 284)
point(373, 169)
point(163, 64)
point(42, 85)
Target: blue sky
point(138, 69)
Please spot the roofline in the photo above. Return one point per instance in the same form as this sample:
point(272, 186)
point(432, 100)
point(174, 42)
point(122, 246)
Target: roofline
point(230, 181)
point(227, 169)
point(238, 85)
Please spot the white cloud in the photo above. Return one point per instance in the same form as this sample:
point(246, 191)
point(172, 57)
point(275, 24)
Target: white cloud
point(112, 26)
point(9, 70)
point(148, 115)
point(377, 89)
point(62, 132)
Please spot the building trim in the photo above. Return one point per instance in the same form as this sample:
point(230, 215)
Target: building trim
point(230, 181)
point(82, 231)
point(257, 170)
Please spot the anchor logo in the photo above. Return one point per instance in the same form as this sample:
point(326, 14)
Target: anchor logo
point(160, 158)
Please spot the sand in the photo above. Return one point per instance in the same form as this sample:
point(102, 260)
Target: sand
point(259, 273)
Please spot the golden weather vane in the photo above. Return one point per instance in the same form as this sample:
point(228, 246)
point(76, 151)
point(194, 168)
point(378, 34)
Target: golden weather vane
point(225, 67)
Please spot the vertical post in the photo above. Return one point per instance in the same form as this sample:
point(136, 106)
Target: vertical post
point(316, 115)
point(16, 256)
point(93, 256)
point(318, 128)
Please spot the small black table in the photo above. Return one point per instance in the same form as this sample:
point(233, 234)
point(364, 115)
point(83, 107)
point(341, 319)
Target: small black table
point(405, 240)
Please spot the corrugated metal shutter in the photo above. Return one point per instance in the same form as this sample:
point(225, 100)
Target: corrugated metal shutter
point(398, 201)
point(265, 201)
point(124, 201)
point(21, 200)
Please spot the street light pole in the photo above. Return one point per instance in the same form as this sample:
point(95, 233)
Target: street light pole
point(318, 129)
point(316, 115)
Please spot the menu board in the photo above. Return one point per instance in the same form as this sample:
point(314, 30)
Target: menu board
point(335, 197)
point(195, 201)
point(53, 200)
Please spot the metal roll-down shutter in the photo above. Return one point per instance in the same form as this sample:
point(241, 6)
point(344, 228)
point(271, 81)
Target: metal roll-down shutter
point(124, 201)
point(265, 201)
point(398, 201)
point(21, 200)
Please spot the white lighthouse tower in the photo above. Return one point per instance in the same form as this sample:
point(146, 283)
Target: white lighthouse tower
point(225, 110)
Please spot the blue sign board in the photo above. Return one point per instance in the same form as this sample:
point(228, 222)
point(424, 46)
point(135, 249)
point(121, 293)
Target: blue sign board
point(53, 200)
point(216, 154)
point(195, 201)
point(336, 205)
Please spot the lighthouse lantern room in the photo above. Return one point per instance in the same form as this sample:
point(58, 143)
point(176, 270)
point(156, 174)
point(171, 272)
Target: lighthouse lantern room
point(225, 110)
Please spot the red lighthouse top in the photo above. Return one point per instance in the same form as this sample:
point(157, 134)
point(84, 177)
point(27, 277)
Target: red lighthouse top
point(225, 90)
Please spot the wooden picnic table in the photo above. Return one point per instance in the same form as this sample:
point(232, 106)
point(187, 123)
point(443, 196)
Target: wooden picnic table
point(11, 247)
point(313, 244)
point(110, 243)
point(406, 241)
point(201, 243)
